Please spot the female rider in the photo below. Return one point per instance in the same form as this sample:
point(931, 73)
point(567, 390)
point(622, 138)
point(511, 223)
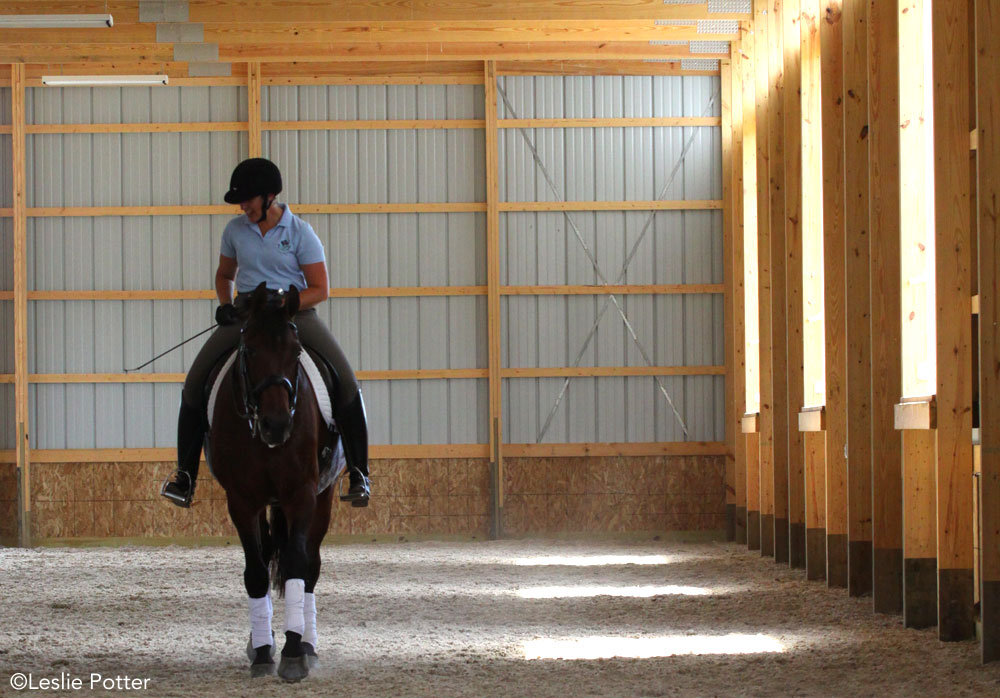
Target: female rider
point(269, 244)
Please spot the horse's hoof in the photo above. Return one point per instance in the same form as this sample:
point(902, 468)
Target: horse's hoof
point(312, 659)
point(252, 653)
point(260, 670)
point(293, 669)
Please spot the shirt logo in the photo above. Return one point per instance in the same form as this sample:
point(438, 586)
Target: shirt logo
point(285, 245)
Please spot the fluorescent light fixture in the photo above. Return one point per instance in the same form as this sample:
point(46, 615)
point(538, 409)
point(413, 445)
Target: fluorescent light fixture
point(103, 80)
point(55, 21)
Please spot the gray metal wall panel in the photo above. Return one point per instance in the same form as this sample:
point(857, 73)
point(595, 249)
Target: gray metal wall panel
point(666, 247)
point(6, 171)
point(6, 107)
point(113, 105)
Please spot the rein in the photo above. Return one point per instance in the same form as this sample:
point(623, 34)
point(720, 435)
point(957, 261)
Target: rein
point(248, 402)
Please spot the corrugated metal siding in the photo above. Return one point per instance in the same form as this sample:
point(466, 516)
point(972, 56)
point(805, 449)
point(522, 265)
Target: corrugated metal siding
point(397, 166)
point(678, 247)
point(112, 252)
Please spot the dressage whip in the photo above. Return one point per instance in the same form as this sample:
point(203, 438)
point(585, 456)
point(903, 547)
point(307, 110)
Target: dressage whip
point(129, 370)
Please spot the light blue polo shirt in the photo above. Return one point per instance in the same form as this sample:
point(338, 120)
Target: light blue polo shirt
point(277, 257)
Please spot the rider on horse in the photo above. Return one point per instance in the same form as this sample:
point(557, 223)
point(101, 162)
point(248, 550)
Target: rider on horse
point(269, 244)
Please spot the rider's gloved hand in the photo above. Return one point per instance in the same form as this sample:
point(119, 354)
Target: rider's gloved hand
point(226, 314)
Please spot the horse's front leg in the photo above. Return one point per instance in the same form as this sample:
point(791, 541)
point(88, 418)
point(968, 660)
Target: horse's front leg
point(299, 509)
point(260, 649)
point(320, 524)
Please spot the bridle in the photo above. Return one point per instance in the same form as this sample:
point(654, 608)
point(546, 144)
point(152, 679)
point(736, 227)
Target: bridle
point(248, 398)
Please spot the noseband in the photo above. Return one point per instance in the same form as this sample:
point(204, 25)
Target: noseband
point(248, 406)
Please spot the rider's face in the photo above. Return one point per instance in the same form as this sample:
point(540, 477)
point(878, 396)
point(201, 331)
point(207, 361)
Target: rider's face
point(253, 207)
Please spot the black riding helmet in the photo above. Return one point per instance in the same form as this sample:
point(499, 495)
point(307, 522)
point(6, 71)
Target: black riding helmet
point(254, 177)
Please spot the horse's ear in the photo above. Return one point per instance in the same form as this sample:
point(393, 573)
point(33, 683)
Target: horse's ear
point(258, 298)
point(292, 301)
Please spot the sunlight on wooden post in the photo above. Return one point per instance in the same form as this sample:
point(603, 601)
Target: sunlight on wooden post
point(858, 308)
point(886, 389)
point(792, 104)
point(739, 295)
point(917, 306)
point(764, 281)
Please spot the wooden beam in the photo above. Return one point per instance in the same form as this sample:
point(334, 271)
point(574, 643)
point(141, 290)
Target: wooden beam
point(739, 299)
point(22, 445)
point(953, 249)
point(190, 127)
point(858, 306)
point(612, 123)
point(656, 205)
point(515, 29)
point(812, 419)
point(764, 281)
point(886, 349)
point(834, 288)
point(814, 443)
point(919, 529)
point(428, 51)
point(915, 413)
point(778, 251)
point(493, 295)
point(438, 10)
point(659, 448)
point(651, 289)
point(253, 108)
point(748, 80)
point(730, 416)
point(792, 136)
point(585, 67)
point(753, 490)
point(988, 198)
point(373, 125)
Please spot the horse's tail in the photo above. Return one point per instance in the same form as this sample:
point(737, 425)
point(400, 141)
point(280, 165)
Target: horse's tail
point(279, 536)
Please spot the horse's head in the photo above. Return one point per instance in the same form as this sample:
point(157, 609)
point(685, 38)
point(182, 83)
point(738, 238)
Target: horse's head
point(269, 363)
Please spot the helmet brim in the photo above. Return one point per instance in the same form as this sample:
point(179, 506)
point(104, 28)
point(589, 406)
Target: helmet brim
point(236, 196)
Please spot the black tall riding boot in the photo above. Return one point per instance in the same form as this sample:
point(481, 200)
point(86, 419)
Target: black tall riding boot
point(353, 426)
point(190, 434)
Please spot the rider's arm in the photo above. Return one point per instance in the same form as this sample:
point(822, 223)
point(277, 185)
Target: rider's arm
point(318, 286)
point(225, 276)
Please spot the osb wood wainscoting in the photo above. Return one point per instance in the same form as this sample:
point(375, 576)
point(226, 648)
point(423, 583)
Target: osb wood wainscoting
point(429, 497)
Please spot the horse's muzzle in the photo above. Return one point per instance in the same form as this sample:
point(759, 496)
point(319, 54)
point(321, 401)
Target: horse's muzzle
point(275, 432)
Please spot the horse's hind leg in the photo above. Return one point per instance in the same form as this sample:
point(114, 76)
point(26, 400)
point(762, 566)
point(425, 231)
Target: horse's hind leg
point(320, 524)
point(261, 647)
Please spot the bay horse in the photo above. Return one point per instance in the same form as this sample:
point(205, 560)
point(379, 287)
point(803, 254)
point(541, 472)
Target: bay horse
point(264, 447)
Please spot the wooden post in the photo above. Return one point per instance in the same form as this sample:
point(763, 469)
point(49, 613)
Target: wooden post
point(753, 490)
point(953, 244)
point(886, 371)
point(739, 297)
point(815, 479)
point(764, 282)
point(858, 309)
point(834, 288)
point(493, 296)
point(988, 162)
point(253, 110)
point(779, 329)
point(732, 415)
point(22, 448)
point(751, 287)
point(792, 100)
point(919, 529)
point(813, 336)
